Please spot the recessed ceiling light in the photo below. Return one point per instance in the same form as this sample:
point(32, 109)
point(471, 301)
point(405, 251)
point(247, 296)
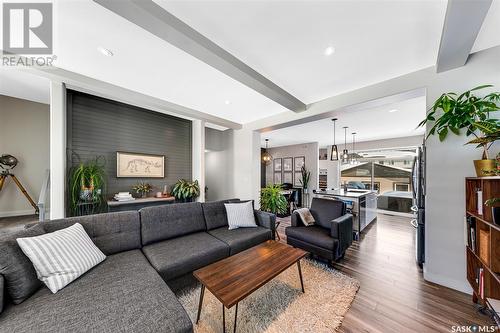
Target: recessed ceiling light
point(393, 110)
point(227, 102)
point(105, 51)
point(329, 50)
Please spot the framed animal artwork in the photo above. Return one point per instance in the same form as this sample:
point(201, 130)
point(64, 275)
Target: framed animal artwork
point(136, 165)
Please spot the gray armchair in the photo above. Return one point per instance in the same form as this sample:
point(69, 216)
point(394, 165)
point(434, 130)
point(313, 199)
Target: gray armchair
point(331, 234)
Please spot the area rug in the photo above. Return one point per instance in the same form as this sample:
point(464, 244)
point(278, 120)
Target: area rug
point(280, 305)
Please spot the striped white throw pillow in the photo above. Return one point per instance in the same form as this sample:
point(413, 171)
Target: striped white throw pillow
point(240, 215)
point(60, 257)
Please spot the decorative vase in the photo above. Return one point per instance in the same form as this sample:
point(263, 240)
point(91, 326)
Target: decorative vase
point(482, 166)
point(144, 195)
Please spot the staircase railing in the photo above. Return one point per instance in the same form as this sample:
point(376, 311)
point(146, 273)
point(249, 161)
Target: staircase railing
point(43, 197)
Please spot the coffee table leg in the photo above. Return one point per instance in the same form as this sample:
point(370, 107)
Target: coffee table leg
point(235, 317)
point(300, 275)
point(202, 293)
point(223, 318)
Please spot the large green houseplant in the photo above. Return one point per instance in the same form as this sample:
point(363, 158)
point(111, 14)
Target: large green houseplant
point(272, 200)
point(185, 190)
point(87, 182)
point(452, 112)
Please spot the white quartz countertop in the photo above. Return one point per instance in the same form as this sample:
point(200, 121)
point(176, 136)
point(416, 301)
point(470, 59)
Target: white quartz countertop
point(348, 194)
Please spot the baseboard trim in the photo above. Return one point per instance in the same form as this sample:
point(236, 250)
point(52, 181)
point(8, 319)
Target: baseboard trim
point(447, 282)
point(22, 213)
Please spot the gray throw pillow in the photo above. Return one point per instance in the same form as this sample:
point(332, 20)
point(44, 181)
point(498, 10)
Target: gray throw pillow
point(20, 276)
point(240, 215)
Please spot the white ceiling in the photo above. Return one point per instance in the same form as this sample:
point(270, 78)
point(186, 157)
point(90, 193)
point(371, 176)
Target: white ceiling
point(489, 35)
point(369, 124)
point(285, 40)
point(23, 85)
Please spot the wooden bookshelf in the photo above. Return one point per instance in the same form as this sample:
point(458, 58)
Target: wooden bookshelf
point(484, 251)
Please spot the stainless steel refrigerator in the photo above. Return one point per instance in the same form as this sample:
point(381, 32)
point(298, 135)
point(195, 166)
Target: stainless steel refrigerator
point(418, 208)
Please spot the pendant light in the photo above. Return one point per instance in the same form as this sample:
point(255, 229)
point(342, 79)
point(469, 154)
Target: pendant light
point(345, 152)
point(266, 157)
point(334, 153)
point(353, 154)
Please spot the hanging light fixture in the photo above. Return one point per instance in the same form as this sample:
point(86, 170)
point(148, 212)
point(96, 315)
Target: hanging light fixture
point(334, 153)
point(345, 152)
point(266, 157)
point(353, 154)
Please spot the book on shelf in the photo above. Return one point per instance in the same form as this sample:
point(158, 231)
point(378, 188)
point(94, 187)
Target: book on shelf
point(479, 202)
point(480, 282)
point(471, 237)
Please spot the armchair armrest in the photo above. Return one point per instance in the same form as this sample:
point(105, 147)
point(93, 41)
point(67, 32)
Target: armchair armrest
point(266, 220)
point(341, 229)
point(2, 292)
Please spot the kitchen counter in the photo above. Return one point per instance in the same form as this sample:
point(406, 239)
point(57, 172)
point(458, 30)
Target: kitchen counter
point(361, 203)
point(348, 194)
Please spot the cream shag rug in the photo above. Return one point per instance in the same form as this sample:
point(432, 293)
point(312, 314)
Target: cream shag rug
point(280, 305)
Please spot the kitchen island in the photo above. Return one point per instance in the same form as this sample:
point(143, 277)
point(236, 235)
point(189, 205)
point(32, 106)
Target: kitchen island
point(361, 203)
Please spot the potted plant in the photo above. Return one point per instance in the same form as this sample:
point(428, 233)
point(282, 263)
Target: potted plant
point(470, 112)
point(272, 200)
point(87, 182)
point(185, 190)
point(305, 177)
point(142, 189)
point(495, 209)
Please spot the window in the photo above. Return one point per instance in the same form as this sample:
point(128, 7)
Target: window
point(405, 187)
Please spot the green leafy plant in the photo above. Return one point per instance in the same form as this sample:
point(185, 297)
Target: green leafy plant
point(142, 188)
point(186, 190)
point(492, 201)
point(272, 200)
point(305, 177)
point(466, 111)
point(87, 182)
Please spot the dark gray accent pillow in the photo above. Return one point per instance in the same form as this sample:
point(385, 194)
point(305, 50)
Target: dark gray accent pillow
point(20, 276)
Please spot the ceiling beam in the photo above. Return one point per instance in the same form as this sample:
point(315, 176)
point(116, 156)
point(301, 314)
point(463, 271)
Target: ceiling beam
point(155, 19)
point(462, 24)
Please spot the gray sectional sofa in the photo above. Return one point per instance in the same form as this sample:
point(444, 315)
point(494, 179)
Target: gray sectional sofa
point(128, 292)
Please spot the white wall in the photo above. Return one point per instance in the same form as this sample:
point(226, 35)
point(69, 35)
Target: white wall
point(217, 164)
point(448, 163)
point(24, 133)
point(309, 150)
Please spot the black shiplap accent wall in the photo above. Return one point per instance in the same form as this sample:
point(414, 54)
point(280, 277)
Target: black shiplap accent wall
point(101, 127)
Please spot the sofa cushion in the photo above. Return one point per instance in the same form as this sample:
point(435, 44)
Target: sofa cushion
point(122, 294)
point(178, 256)
point(62, 256)
point(215, 214)
point(242, 238)
point(21, 280)
point(110, 232)
point(316, 235)
point(168, 221)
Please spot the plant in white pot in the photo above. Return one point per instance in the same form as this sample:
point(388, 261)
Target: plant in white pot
point(494, 203)
point(452, 112)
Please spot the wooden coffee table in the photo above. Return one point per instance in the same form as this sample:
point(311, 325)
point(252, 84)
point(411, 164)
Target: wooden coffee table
point(232, 279)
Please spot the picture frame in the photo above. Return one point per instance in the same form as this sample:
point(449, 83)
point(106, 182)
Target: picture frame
point(287, 164)
point(277, 178)
point(139, 165)
point(298, 163)
point(288, 177)
point(297, 176)
point(277, 165)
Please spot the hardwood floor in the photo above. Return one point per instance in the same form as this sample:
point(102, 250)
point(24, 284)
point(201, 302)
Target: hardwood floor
point(393, 296)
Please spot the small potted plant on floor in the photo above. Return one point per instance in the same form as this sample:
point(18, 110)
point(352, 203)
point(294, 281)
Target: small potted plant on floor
point(87, 182)
point(472, 113)
point(494, 203)
point(142, 189)
point(272, 200)
point(186, 191)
